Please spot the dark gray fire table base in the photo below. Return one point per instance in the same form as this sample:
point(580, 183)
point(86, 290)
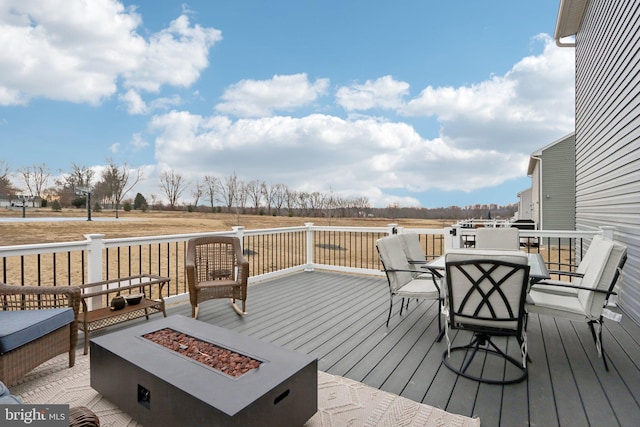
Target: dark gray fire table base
point(159, 387)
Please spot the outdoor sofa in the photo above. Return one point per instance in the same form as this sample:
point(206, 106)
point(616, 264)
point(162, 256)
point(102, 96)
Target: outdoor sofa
point(37, 323)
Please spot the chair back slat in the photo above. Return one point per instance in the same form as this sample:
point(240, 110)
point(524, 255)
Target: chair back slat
point(486, 288)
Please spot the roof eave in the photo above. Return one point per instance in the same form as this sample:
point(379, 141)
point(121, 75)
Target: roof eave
point(570, 15)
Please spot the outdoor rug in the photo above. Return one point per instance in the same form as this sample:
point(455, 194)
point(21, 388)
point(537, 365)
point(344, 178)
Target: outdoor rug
point(341, 401)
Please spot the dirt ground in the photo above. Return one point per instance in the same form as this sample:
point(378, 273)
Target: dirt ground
point(156, 223)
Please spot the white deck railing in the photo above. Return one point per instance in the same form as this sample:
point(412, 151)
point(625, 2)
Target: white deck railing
point(270, 252)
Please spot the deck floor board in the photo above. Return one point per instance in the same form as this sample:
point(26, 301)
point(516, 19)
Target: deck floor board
point(340, 319)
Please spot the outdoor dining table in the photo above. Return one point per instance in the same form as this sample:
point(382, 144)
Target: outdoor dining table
point(537, 268)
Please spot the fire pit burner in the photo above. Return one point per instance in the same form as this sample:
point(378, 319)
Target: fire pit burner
point(219, 358)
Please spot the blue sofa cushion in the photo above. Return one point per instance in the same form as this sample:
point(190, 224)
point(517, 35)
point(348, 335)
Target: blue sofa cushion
point(10, 399)
point(6, 398)
point(23, 326)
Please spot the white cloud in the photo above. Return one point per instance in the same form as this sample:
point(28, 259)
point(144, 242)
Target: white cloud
point(384, 92)
point(85, 47)
point(488, 131)
point(257, 98)
point(138, 142)
point(319, 152)
point(134, 104)
point(174, 56)
point(518, 112)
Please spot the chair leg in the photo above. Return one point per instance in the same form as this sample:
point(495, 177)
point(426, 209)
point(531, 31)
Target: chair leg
point(194, 311)
point(86, 341)
point(236, 308)
point(597, 339)
point(441, 331)
point(390, 308)
point(483, 343)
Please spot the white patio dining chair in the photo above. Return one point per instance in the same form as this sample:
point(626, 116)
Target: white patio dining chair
point(400, 276)
point(559, 286)
point(593, 291)
point(507, 238)
point(414, 253)
point(486, 291)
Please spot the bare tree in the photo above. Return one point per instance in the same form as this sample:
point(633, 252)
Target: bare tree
point(6, 187)
point(172, 185)
point(290, 200)
point(243, 195)
point(268, 191)
point(118, 181)
point(229, 191)
point(317, 201)
point(80, 176)
point(279, 192)
point(35, 178)
point(254, 192)
point(330, 205)
point(361, 206)
point(303, 202)
point(197, 192)
point(212, 188)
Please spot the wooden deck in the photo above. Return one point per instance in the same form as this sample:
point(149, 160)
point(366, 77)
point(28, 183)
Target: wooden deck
point(340, 319)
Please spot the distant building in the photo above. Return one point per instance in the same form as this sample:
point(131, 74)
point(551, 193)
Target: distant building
point(525, 205)
point(553, 185)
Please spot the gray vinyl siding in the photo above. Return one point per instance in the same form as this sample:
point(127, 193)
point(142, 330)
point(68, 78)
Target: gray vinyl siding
point(608, 131)
point(558, 194)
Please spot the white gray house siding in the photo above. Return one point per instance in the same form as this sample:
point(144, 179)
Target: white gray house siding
point(553, 172)
point(607, 56)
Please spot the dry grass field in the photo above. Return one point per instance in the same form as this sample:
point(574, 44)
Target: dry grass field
point(155, 223)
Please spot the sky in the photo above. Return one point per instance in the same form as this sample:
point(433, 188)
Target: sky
point(413, 103)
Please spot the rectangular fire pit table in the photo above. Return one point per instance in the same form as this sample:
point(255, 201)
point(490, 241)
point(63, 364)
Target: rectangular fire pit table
point(158, 386)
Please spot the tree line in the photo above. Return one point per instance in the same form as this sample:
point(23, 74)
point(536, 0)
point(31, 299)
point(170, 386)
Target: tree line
point(216, 194)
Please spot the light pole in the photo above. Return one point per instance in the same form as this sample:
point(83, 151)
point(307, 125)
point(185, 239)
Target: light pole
point(85, 191)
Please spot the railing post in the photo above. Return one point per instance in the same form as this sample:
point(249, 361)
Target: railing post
point(238, 230)
point(607, 231)
point(309, 226)
point(452, 237)
point(392, 229)
point(94, 264)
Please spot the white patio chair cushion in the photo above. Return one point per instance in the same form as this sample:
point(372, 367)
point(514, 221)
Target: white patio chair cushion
point(419, 288)
point(512, 293)
point(399, 271)
point(413, 251)
point(583, 305)
point(585, 263)
point(498, 238)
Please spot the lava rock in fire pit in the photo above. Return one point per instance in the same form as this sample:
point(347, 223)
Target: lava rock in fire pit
point(219, 358)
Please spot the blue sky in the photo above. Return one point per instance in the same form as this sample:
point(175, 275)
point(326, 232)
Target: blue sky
point(416, 102)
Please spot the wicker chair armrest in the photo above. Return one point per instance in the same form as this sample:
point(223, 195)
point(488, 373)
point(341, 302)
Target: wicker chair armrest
point(243, 271)
point(39, 297)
